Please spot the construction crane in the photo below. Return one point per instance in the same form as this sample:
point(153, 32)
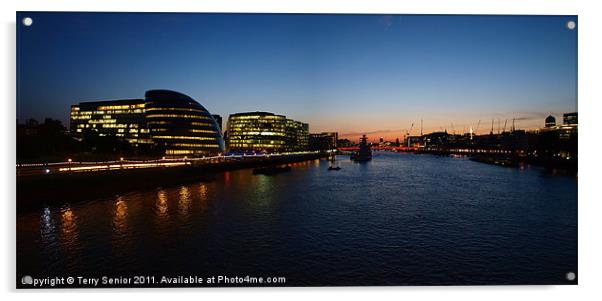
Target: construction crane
point(408, 133)
point(474, 132)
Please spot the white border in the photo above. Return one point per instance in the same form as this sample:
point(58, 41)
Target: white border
point(590, 250)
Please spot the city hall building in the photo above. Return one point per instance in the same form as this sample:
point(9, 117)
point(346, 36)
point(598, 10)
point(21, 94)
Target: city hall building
point(166, 119)
point(265, 132)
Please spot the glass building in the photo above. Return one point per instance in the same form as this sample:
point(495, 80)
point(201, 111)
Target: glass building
point(168, 120)
point(120, 118)
point(181, 125)
point(265, 132)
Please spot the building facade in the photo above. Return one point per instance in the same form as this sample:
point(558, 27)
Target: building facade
point(265, 132)
point(297, 136)
point(323, 141)
point(123, 119)
point(569, 118)
point(168, 120)
point(180, 125)
point(218, 120)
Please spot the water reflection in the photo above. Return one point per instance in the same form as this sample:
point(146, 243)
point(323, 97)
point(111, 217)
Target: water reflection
point(264, 190)
point(184, 201)
point(203, 196)
point(121, 231)
point(69, 236)
point(69, 232)
point(226, 178)
point(48, 235)
point(120, 212)
point(47, 225)
point(161, 204)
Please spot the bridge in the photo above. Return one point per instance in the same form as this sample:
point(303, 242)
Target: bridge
point(380, 148)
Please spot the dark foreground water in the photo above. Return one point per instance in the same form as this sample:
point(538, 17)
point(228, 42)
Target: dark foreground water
point(399, 219)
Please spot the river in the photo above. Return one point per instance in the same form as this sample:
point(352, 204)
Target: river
point(400, 219)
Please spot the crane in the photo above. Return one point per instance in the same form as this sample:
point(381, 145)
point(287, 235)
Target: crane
point(474, 132)
point(408, 134)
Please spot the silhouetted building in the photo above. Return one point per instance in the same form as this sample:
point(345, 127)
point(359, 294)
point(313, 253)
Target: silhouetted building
point(344, 143)
point(569, 118)
point(550, 121)
point(265, 132)
point(323, 141)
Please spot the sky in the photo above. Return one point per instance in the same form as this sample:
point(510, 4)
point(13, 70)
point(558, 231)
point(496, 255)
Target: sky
point(354, 74)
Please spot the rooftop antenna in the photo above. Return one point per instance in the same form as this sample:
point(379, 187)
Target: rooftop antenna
point(505, 122)
point(491, 133)
point(420, 126)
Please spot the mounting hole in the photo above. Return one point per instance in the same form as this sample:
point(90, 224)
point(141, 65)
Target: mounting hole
point(570, 276)
point(571, 25)
point(27, 21)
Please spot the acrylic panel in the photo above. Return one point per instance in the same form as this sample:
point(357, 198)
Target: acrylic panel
point(234, 149)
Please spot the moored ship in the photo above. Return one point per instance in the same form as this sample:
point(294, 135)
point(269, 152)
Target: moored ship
point(364, 153)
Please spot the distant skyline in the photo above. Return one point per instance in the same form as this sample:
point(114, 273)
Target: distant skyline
point(354, 74)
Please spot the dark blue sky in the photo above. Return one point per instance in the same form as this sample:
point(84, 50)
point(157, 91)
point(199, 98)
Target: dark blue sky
point(349, 73)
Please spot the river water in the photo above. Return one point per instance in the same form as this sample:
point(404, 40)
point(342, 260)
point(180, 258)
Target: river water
point(401, 219)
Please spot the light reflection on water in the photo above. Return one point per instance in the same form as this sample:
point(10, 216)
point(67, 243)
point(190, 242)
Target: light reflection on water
point(184, 202)
point(161, 204)
point(400, 219)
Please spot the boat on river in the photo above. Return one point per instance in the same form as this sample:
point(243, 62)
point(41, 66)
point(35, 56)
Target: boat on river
point(364, 152)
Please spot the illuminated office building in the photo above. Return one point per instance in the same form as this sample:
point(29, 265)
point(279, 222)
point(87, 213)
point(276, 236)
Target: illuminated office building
point(297, 135)
point(265, 132)
point(181, 125)
point(120, 118)
point(167, 120)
